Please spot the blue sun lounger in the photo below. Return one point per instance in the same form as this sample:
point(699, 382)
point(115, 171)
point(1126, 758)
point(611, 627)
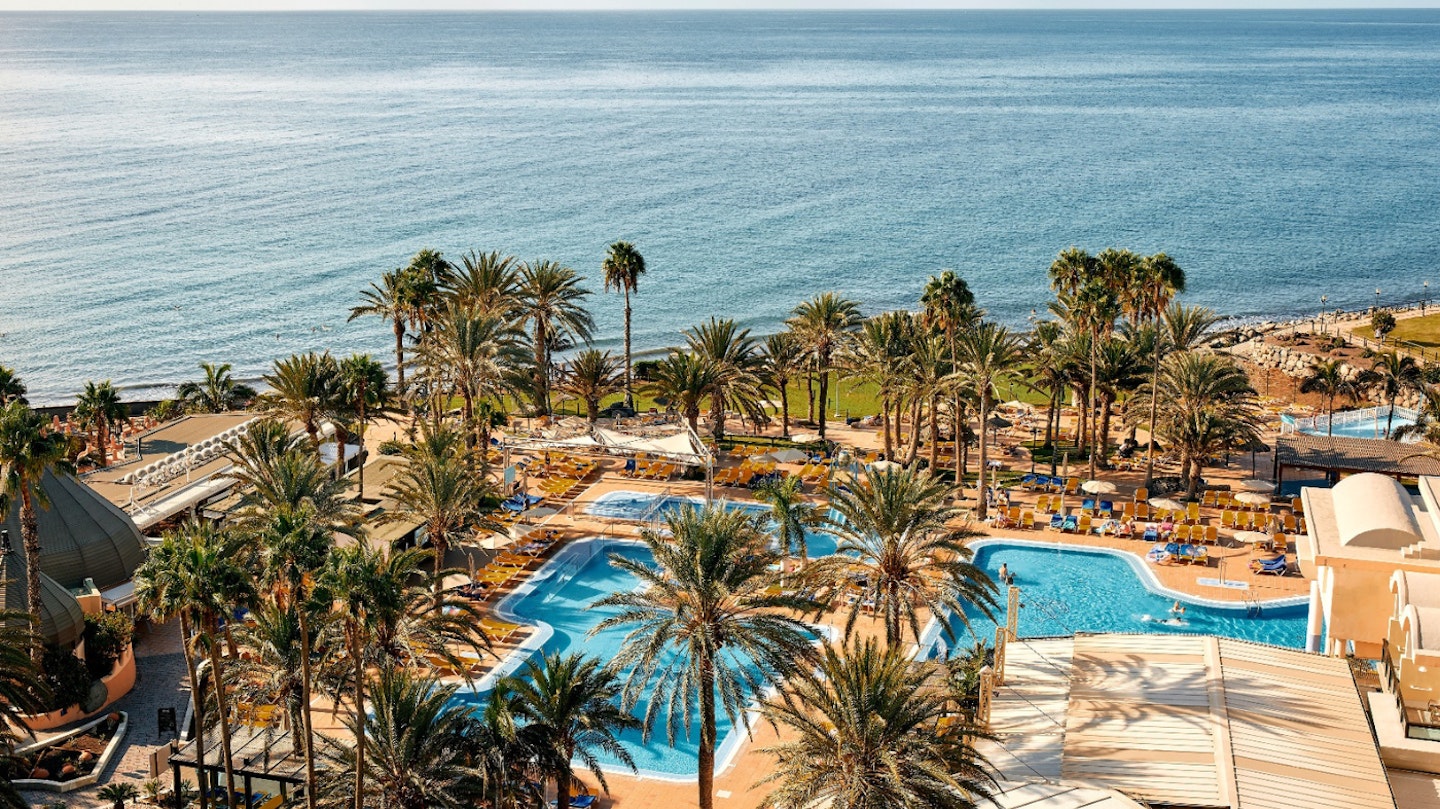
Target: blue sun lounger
point(1056, 521)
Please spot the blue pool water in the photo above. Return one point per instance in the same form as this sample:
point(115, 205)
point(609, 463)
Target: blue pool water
point(626, 505)
point(566, 602)
point(1067, 591)
point(1347, 425)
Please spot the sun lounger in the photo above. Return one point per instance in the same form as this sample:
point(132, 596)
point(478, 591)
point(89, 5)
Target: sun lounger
point(1057, 521)
point(1071, 523)
point(1274, 567)
point(1152, 533)
point(1087, 505)
point(1195, 554)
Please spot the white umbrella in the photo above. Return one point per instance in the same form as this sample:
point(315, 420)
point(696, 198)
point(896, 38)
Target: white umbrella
point(786, 456)
point(1099, 487)
point(805, 438)
point(1257, 485)
point(1167, 504)
point(1253, 498)
point(1253, 538)
point(885, 466)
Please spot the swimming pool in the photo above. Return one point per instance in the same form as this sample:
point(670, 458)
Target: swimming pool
point(646, 506)
point(560, 600)
point(1369, 422)
point(1064, 590)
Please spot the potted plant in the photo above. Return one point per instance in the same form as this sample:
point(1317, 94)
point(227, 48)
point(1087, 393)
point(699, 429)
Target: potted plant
point(119, 793)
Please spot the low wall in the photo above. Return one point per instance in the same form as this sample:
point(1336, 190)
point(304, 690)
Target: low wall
point(117, 684)
point(111, 748)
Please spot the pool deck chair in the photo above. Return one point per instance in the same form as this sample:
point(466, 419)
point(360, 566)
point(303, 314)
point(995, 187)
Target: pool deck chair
point(1274, 567)
point(1071, 523)
point(1057, 522)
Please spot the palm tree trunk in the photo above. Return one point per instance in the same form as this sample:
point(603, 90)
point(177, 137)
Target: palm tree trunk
point(824, 400)
point(1154, 414)
point(362, 442)
point(958, 429)
point(30, 535)
point(784, 407)
point(311, 784)
point(542, 395)
point(1090, 404)
point(629, 382)
point(885, 429)
point(400, 356)
point(1330, 419)
point(1390, 419)
point(355, 654)
point(1103, 444)
point(442, 549)
point(914, 447)
point(706, 752)
point(562, 790)
point(212, 626)
point(934, 431)
point(102, 436)
point(984, 453)
point(810, 394)
point(197, 699)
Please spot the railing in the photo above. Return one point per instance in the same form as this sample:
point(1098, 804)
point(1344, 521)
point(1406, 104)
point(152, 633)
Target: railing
point(1344, 418)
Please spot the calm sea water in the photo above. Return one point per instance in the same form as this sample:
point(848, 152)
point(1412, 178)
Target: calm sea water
point(178, 188)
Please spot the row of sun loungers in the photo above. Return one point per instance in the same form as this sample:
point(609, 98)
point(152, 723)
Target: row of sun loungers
point(650, 470)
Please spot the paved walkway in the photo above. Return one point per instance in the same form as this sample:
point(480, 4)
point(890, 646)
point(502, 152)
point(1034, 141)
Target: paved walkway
point(160, 671)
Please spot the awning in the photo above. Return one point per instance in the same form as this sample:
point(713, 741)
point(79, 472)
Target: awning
point(121, 595)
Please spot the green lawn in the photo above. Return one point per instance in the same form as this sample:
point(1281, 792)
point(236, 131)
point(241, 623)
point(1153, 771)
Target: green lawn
point(1422, 331)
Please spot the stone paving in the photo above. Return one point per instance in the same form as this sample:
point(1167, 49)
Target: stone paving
point(160, 677)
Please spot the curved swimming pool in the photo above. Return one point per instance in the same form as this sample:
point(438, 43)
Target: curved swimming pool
point(1065, 589)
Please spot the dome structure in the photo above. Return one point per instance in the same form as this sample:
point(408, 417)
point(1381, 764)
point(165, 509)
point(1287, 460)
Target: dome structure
point(1375, 511)
point(82, 536)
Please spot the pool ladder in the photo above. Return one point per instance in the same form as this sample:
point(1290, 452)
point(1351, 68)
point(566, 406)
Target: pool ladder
point(1252, 607)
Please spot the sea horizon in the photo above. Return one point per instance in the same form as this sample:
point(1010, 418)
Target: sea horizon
point(220, 186)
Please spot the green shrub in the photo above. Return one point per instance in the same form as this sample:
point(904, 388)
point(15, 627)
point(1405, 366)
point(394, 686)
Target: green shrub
point(391, 447)
point(65, 676)
point(107, 635)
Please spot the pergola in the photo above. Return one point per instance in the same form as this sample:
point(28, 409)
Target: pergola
point(1339, 455)
point(256, 753)
point(674, 442)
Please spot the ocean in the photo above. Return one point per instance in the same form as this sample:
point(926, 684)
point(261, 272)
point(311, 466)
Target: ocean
point(185, 187)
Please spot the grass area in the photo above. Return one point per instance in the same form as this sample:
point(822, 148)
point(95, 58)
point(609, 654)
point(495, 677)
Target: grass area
point(1422, 331)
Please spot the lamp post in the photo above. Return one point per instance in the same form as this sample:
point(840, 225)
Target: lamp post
point(1425, 298)
point(1377, 299)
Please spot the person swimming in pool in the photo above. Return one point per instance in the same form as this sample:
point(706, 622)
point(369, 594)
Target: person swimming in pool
point(1177, 608)
point(1005, 576)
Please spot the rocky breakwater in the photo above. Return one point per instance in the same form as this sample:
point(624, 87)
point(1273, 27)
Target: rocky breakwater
point(1296, 364)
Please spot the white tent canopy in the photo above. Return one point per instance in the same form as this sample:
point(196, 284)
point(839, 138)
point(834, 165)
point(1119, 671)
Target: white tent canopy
point(681, 445)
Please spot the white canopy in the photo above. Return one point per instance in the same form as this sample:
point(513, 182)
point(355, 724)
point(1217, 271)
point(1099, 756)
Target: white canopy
point(680, 446)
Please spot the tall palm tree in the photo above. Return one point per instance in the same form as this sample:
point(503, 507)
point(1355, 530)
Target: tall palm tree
point(475, 354)
point(200, 575)
point(572, 703)
point(702, 608)
point(27, 451)
point(390, 300)
point(781, 358)
point(1206, 404)
point(590, 376)
point(417, 748)
point(270, 668)
point(894, 537)
point(791, 513)
point(218, 392)
point(867, 731)
point(279, 473)
point(623, 267)
point(1393, 374)
point(486, 283)
point(1427, 420)
point(1329, 379)
point(683, 379)
point(303, 390)
point(949, 306)
point(1048, 352)
point(880, 353)
point(1184, 328)
point(819, 324)
point(731, 352)
point(362, 393)
point(551, 301)
point(12, 389)
point(22, 691)
point(1152, 285)
point(441, 493)
point(989, 357)
point(100, 409)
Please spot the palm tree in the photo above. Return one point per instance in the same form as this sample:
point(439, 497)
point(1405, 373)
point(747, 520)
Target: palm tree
point(27, 452)
point(1329, 380)
point(989, 357)
point(1393, 374)
point(867, 731)
point(949, 306)
point(1427, 420)
point(731, 352)
point(99, 408)
point(571, 702)
point(551, 300)
point(478, 355)
point(362, 393)
point(22, 691)
point(591, 376)
point(791, 513)
point(880, 353)
point(894, 537)
point(1153, 283)
point(390, 300)
point(703, 608)
point(441, 493)
point(781, 358)
point(279, 473)
point(819, 324)
point(303, 390)
point(218, 392)
point(417, 748)
point(11, 388)
point(1206, 404)
point(200, 574)
point(270, 668)
point(1048, 353)
point(486, 283)
point(684, 380)
point(623, 267)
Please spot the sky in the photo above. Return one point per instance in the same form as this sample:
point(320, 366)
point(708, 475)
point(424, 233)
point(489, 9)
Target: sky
point(597, 5)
